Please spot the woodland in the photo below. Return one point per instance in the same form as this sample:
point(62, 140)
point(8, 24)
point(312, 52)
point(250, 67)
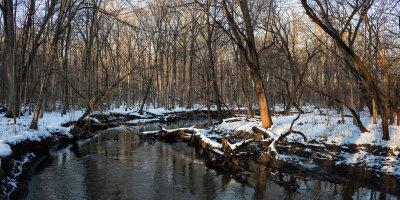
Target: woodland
point(58, 55)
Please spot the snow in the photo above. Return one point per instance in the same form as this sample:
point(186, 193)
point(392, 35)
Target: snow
point(5, 149)
point(47, 126)
point(138, 121)
point(317, 127)
point(218, 151)
point(151, 110)
point(208, 141)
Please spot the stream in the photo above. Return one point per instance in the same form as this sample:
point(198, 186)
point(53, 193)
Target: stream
point(116, 165)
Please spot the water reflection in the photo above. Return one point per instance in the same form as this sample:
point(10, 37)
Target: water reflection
point(115, 165)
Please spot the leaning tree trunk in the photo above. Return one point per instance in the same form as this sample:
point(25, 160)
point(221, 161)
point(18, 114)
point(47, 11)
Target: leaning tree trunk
point(366, 75)
point(146, 93)
point(35, 119)
point(353, 112)
point(101, 97)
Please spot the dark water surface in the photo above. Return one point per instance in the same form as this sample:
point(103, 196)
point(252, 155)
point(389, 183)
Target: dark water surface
point(115, 165)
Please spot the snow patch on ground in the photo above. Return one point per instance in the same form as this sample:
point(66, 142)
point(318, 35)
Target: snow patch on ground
point(137, 121)
point(5, 149)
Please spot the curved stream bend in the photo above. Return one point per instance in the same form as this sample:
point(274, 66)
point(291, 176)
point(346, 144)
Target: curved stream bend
point(116, 165)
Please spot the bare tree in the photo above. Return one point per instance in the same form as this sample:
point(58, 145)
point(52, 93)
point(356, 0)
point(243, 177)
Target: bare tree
point(247, 47)
point(319, 15)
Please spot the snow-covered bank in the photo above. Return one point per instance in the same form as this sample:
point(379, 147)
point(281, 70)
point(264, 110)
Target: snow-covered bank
point(354, 148)
point(50, 124)
point(11, 134)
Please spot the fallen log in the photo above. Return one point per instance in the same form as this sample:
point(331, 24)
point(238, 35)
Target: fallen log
point(164, 133)
point(258, 131)
point(224, 154)
point(266, 135)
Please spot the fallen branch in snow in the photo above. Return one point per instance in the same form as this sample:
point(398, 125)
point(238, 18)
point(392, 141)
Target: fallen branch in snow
point(209, 145)
point(270, 144)
point(314, 148)
point(179, 131)
point(283, 136)
point(298, 144)
point(93, 104)
point(226, 155)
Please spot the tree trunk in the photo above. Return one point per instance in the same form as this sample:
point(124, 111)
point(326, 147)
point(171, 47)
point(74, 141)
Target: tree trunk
point(374, 111)
point(385, 126)
point(52, 54)
point(211, 68)
point(191, 60)
point(398, 118)
point(8, 21)
point(146, 93)
point(36, 115)
point(262, 101)
point(243, 78)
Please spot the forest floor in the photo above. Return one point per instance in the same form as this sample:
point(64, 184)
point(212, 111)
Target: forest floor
point(335, 140)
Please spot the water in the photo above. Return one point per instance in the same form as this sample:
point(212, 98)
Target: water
point(115, 165)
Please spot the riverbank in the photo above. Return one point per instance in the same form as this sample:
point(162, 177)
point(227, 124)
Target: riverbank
point(328, 139)
point(21, 147)
point(338, 140)
point(312, 144)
